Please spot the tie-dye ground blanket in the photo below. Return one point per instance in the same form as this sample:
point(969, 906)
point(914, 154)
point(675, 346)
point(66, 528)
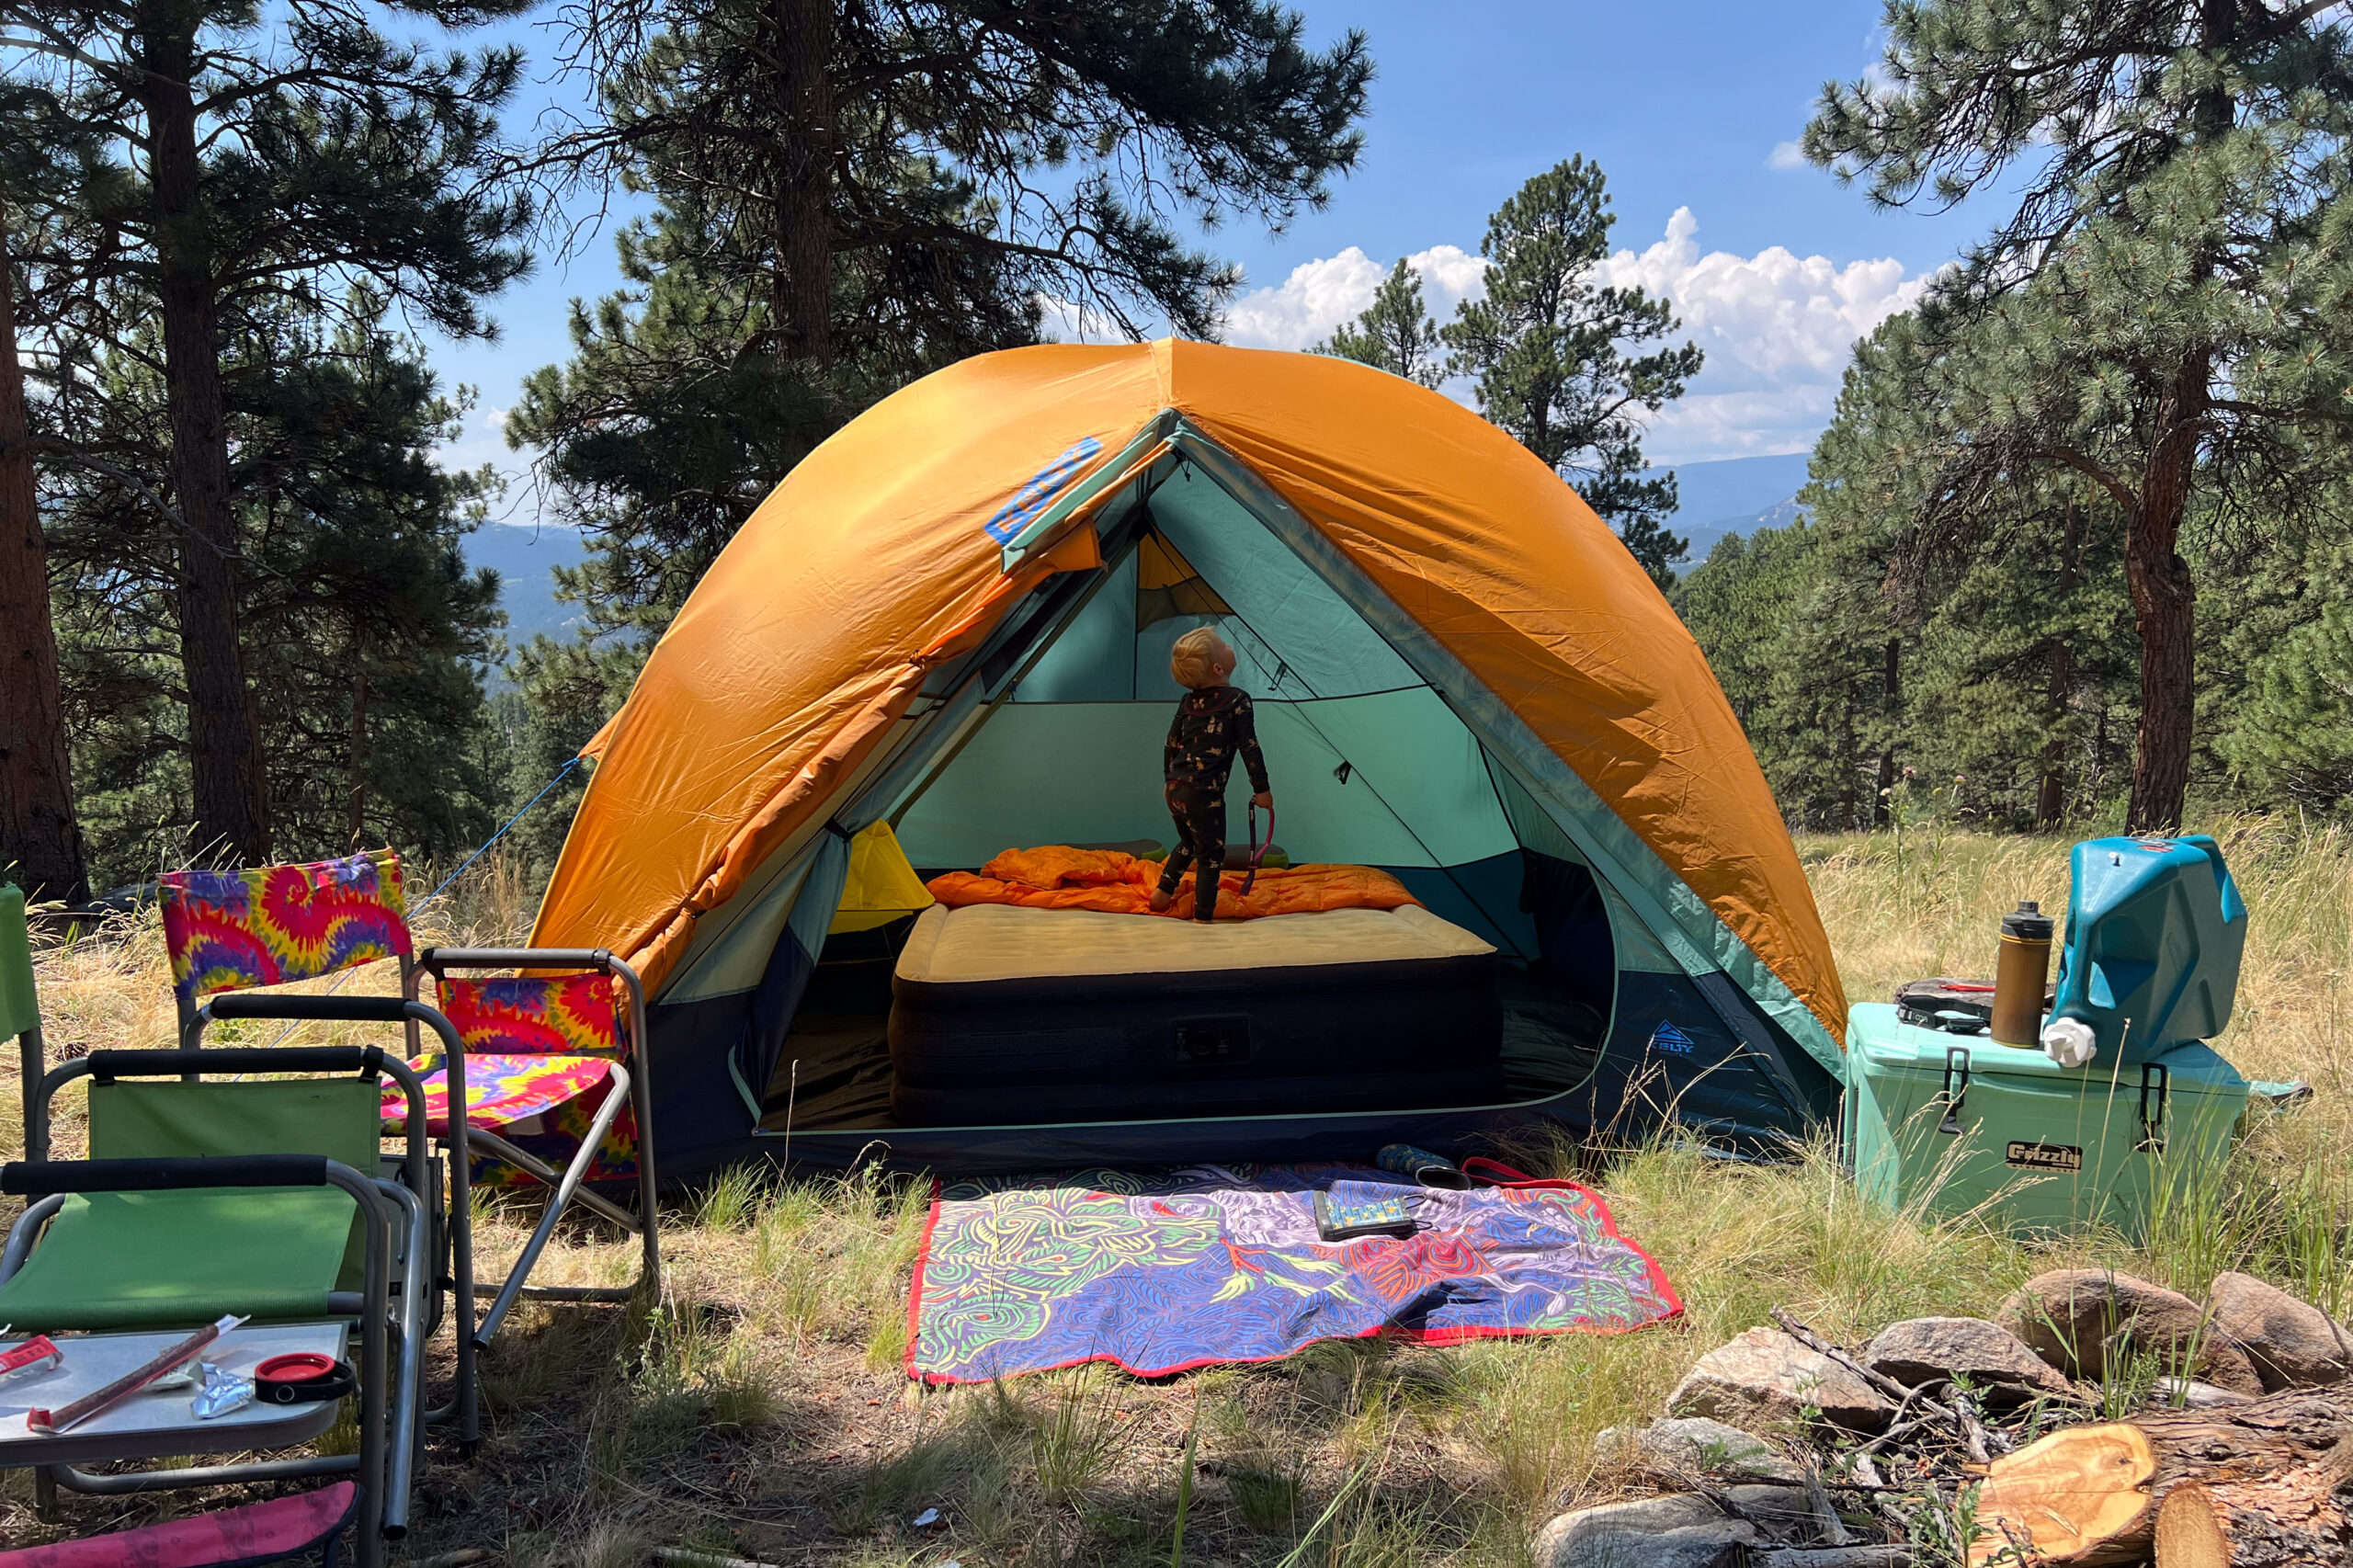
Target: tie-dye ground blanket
point(1212, 1264)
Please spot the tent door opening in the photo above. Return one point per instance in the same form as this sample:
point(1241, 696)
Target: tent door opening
point(1370, 765)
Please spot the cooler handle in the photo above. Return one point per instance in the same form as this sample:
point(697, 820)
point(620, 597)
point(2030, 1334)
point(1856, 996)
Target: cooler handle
point(1956, 1090)
point(2154, 1077)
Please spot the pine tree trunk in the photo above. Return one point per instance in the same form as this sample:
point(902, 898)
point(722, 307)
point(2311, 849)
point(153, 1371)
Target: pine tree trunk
point(39, 838)
point(2165, 604)
point(2050, 799)
point(804, 218)
point(224, 747)
point(1891, 696)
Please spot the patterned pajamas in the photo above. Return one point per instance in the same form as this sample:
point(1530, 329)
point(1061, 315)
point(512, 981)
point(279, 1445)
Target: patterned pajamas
point(1200, 815)
point(1214, 725)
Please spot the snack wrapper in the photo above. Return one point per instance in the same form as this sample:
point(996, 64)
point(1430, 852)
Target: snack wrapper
point(32, 1355)
point(223, 1392)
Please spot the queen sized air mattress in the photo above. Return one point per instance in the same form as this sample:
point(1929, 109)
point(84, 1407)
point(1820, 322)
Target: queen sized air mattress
point(1007, 1016)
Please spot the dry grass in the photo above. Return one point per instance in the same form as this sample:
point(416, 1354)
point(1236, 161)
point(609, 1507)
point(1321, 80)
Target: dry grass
point(760, 1410)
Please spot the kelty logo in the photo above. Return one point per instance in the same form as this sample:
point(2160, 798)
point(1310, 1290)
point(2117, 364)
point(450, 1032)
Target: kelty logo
point(1043, 486)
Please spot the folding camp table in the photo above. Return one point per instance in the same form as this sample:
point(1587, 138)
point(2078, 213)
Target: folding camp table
point(150, 1424)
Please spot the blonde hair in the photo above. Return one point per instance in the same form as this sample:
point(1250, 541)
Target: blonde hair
point(1188, 661)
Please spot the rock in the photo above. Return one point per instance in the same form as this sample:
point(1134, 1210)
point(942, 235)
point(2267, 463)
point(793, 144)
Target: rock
point(2292, 1343)
point(1685, 1447)
point(1656, 1532)
point(1923, 1350)
point(1765, 1378)
point(2075, 1318)
point(1783, 1513)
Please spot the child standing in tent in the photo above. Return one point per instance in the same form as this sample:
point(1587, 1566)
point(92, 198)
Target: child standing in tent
point(1214, 722)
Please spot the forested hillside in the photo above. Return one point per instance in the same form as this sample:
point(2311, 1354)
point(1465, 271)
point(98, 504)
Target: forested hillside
point(2077, 541)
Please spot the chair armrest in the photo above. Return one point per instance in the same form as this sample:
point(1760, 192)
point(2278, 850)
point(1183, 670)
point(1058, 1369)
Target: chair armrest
point(22, 1179)
point(108, 1065)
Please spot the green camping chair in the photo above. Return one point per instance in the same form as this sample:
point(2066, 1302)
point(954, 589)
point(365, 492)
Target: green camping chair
point(204, 1199)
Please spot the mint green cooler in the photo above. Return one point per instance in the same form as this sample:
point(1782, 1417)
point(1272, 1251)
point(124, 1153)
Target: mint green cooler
point(1954, 1123)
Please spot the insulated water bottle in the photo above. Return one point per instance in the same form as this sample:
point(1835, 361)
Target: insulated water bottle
point(2019, 978)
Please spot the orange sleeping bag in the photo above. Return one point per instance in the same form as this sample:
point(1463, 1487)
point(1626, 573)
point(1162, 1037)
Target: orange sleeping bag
point(1057, 877)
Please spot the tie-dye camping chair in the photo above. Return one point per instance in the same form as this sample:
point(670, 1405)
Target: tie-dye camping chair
point(262, 926)
point(543, 1057)
point(553, 1072)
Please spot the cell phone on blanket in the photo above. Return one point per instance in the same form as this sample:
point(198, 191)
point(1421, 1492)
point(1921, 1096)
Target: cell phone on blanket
point(1348, 1218)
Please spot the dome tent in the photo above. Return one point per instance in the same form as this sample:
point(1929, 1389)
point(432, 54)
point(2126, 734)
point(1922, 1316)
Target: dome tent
point(954, 616)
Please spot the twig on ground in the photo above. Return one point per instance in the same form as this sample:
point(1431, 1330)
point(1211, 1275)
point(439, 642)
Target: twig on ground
point(1891, 1434)
point(1972, 1431)
point(464, 1557)
point(1832, 1556)
point(679, 1557)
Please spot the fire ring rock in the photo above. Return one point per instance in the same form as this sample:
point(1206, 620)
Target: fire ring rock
point(1924, 1350)
point(1764, 1380)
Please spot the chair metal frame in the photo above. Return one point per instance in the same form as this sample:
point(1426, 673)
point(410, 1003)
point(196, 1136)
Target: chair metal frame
point(390, 1443)
point(634, 1088)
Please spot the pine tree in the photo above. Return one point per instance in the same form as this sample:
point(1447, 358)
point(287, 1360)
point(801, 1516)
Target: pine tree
point(956, 153)
point(258, 169)
point(360, 619)
point(850, 197)
point(2164, 314)
point(2293, 742)
point(1562, 362)
point(40, 838)
point(1394, 333)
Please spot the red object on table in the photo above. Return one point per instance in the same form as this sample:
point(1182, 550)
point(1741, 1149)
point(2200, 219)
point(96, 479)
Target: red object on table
point(296, 1367)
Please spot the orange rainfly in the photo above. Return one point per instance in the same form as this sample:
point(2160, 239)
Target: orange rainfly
point(1057, 877)
point(882, 558)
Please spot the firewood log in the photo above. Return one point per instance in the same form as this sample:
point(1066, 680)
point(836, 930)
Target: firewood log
point(2190, 1533)
point(2273, 1478)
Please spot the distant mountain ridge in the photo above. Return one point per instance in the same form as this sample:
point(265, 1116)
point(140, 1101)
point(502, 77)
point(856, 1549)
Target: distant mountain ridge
point(1733, 495)
point(1730, 496)
point(525, 559)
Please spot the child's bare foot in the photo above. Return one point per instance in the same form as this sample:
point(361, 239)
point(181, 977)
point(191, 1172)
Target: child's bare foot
point(1160, 901)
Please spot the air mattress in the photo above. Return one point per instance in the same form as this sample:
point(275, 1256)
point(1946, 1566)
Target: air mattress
point(1005, 1016)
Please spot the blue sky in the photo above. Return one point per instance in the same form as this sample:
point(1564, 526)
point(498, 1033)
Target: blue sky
point(1691, 106)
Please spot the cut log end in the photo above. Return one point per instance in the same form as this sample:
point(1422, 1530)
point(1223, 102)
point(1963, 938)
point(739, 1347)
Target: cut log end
point(2080, 1497)
point(2190, 1532)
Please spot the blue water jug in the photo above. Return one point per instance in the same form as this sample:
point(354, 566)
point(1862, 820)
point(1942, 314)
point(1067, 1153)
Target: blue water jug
point(2155, 929)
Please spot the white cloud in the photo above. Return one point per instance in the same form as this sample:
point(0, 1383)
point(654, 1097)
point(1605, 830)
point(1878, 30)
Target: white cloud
point(1786, 155)
point(1320, 295)
point(1778, 328)
point(1068, 321)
